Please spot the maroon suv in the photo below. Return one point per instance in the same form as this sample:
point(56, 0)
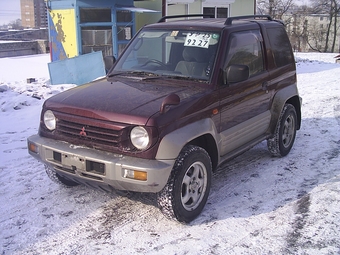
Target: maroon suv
point(183, 97)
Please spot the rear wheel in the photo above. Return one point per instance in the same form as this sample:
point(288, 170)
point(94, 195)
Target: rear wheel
point(55, 177)
point(285, 132)
point(186, 193)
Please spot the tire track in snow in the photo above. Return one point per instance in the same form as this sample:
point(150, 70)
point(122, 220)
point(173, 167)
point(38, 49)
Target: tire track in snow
point(317, 178)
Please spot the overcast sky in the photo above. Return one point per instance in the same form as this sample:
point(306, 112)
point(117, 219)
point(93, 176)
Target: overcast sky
point(9, 11)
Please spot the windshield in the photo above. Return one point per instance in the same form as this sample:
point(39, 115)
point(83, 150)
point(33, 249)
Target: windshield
point(177, 53)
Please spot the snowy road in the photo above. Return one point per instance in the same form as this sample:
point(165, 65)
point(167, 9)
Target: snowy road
point(258, 204)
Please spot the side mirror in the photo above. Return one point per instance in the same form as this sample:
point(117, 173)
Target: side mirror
point(235, 73)
point(108, 62)
point(172, 99)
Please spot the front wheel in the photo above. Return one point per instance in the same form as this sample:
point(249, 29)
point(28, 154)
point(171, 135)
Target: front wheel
point(186, 193)
point(282, 141)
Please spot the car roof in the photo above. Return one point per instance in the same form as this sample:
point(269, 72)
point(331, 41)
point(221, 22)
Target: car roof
point(215, 24)
point(203, 23)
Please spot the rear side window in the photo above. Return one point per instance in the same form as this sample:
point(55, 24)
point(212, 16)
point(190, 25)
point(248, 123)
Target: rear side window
point(281, 47)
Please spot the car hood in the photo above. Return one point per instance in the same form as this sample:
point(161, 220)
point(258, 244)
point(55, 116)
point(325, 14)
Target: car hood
point(118, 99)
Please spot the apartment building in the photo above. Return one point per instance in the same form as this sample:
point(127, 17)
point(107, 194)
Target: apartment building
point(308, 32)
point(33, 13)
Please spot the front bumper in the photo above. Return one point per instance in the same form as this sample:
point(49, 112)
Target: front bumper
point(99, 168)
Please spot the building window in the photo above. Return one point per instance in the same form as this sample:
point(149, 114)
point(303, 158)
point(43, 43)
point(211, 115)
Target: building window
point(95, 15)
point(222, 12)
point(217, 12)
point(209, 11)
point(98, 38)
point(124, 16)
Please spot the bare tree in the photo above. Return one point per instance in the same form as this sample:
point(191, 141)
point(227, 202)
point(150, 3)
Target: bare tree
point(316, 26)
point(315, 36)
point(331, 8)
point(275, 8)
point(15, 24)
point(336, 10)
point(297, 29)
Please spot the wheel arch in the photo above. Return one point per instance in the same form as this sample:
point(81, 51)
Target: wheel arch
point(202, 133)
point(287, 95)
point(296, 102)
point(207, 142)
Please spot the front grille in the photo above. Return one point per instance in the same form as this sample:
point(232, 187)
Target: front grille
point(93, 133)
point(89, 133)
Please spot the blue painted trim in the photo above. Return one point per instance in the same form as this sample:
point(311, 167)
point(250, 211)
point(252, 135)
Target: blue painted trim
point(56, 47)
point(96, 24)
point(80, 48)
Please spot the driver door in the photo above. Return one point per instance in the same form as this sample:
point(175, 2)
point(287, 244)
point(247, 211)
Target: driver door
point(244, 105)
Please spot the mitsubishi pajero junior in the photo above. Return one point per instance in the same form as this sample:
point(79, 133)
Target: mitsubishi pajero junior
point(183, 97)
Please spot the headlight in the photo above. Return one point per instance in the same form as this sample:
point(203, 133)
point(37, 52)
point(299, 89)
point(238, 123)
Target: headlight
point(49, 120)
point(139, 138)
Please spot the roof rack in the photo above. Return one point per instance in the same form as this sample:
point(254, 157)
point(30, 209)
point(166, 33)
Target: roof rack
point(230, 20)
point(185, 16)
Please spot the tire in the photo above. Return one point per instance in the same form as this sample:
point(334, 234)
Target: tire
point(284, 136)
point(186, 193)
point(51, 173)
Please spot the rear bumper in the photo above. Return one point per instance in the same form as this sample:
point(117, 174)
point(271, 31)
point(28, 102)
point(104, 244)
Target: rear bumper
point(99, 168)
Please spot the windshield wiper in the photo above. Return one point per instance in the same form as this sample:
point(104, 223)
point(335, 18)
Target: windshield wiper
point(116, 74)
point(185, 77)
point(127, 73)
point(153, 76)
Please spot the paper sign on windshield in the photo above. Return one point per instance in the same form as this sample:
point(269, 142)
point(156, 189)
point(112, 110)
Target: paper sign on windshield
point(197, 40)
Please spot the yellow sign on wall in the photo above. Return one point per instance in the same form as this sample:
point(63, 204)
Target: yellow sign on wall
point(64, 39)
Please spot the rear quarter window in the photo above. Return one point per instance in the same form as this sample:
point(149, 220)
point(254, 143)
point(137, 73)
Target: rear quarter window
point(281, 47)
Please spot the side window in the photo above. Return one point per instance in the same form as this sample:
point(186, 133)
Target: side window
point(281, 47)
point(245, 48)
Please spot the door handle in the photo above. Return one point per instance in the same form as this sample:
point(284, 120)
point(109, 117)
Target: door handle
point(265, 86)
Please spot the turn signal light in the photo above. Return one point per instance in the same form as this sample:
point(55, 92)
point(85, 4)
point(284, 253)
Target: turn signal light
point(33, 148)
point(136, 175)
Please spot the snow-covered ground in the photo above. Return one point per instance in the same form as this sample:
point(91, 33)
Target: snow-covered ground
point(258, 204)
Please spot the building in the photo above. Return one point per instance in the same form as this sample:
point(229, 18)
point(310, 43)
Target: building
point(219, 8)
point(308, 32)
point(78, 27)
point(33, 13)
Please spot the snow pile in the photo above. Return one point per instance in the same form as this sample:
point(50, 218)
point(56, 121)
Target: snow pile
point(17, 90)
point(258, 204)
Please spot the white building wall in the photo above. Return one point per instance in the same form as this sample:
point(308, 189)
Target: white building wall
point(242, 7)
point(236, 7)
point(182, 7)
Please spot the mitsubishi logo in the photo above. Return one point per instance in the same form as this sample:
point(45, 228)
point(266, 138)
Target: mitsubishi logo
point(82, 132)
